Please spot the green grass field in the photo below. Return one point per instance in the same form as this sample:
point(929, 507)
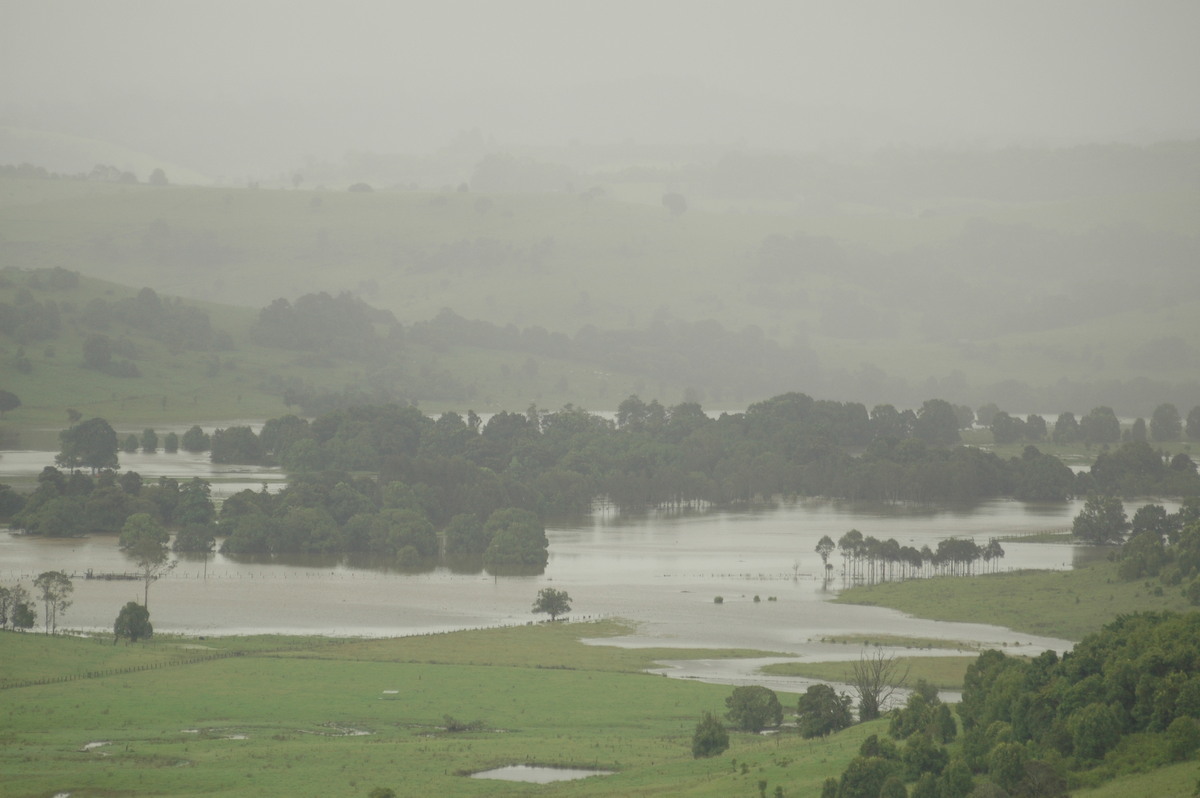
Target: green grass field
point(281, 716)
point(1065, 604)
point(278, 715)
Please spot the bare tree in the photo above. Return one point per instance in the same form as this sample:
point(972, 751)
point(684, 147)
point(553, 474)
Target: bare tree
point(876, 677)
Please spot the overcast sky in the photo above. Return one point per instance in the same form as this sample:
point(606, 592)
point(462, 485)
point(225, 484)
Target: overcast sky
point(213, 80)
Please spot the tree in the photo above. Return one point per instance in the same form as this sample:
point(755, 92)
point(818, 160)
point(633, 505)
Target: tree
point(1006, 429)
point(92, 444)
point(1066, 429)
point(937, 423)
point(1094, 730)
point(518, 541)
point(195, 440)
point(97, 352)
point(55, 588)
point(146, 541)
point(1193, 424)
point(876, 677)
point(15, 607)
point(825, 547)
point(133, 623)
point(1100, 426)
point(754, 708)
point(149, 441)
point(8, 401)
point(158, 177)
point(674, 202)
point(1165, 424)
point(710, 738)
point(822, 711)
point(1102, 520)
point(552, 602)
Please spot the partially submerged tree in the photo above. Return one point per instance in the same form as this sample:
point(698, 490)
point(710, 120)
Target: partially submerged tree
point(1102, 520)
point(92, 444)
point(145, 540)
point(55, 588)
point(552, 602)
point(876, 677)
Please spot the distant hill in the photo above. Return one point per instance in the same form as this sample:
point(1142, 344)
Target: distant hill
point(879, 283)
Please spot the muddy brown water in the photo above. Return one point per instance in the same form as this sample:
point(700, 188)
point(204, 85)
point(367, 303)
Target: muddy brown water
point(662, 571)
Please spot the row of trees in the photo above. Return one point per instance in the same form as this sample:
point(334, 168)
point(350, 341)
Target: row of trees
point(1100, 426)
point(868, 559)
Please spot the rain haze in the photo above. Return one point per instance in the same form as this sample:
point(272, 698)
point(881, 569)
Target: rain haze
point(765, 342)
point(225, 88)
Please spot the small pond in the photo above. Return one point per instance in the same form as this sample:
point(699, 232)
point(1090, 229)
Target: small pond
point(538, 774)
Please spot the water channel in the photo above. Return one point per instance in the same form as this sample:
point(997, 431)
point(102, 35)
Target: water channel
point(662, 571)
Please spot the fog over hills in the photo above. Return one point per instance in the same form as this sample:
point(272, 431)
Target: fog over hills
point(230, 90)
point(880, 201)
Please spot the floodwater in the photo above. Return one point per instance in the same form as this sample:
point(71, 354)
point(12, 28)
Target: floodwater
point(21, 468)
point(660, 570)
point(538, 775)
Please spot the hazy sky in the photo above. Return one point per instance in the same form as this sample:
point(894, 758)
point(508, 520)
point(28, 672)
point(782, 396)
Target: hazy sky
point(214, 81)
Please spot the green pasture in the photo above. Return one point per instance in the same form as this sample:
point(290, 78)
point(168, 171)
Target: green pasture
point(561, 263)
point(1064, 604)
point(312, 717)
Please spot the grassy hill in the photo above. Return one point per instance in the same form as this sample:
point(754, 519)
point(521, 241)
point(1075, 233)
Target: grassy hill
point(1039, 304)
point(180, 384)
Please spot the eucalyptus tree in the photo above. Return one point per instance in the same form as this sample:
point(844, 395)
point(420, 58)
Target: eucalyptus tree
point(146, 540)
point(55, 588)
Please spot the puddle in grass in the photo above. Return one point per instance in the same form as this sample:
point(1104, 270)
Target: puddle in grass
point(538, 775)
point(95, 745)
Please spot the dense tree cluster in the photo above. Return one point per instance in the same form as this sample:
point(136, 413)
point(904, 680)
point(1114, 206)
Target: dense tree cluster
point(1133, 687)
point(66, 505)
point(1164, 545)
point(334, 513)
point(336, 326)
point(560, 462)
point(179, 326)
point(1126, 698)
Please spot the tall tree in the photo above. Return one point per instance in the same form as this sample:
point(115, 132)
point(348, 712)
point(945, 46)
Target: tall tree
point(145, 540)
point(55, 588)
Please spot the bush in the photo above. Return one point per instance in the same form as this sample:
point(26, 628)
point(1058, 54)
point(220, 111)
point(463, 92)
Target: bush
point(710, 738)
